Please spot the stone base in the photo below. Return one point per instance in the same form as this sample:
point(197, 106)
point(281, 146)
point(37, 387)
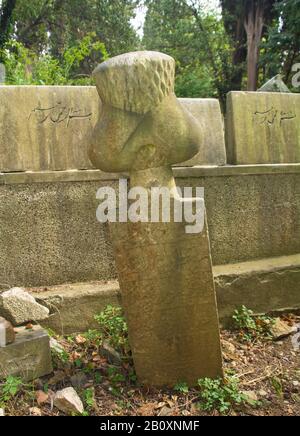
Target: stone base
point(29, 357)
point(267, 285)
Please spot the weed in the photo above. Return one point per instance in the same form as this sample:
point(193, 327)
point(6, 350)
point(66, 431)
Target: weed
point(182, 388)
point(252, 327)
point(10, 389)
point(113, 328)
point(220, 395)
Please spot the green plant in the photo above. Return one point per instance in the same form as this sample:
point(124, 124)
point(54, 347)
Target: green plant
point(252, 327)
point(277, 385)
point(182, 388)
point(25, 67)
point(89, 397)
point(220, 395)
point(10, 388)
point(113, 328)
point(60, 358)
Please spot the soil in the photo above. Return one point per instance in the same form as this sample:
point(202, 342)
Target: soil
point(268, 370)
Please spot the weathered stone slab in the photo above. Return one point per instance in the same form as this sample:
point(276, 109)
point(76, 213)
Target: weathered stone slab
point(208, 114)
point(49, 128)
point(263, 128)
point(29, 357)
point(44, 128)
point(170, 285)
point(266, 285)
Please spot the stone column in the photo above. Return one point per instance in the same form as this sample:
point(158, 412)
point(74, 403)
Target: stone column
point(165, 274)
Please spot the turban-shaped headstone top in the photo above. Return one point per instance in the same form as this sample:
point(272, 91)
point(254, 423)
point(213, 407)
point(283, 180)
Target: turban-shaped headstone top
point(143, 125)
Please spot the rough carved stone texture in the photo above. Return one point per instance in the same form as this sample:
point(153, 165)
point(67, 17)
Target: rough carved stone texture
point(162, 133)
point(263, 128)
point(28, 357)
point(136, 82)
point(41, 129)
point(171, 311)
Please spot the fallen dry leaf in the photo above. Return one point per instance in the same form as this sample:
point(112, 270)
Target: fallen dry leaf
point(41, 397)
point(80, 340)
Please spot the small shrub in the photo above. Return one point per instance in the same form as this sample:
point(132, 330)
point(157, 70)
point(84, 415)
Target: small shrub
point(252, 327)
point(219, 395)
point(10, 389)
point(182, 388)
point(113, 328)
point(89, 398)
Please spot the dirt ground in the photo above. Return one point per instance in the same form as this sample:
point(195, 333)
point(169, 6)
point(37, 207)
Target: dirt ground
point(267, 371)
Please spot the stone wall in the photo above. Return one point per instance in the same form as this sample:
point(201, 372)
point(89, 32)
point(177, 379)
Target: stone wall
point(50, 235)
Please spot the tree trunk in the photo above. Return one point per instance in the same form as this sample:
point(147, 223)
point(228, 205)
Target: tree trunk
point(239, 57)
point(254, 24)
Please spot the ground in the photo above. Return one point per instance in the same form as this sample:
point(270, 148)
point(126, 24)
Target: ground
point(268, 373)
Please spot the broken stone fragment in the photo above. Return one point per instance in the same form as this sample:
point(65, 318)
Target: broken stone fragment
point(109, 353)
point(68, 402)
point(7, 333)
point(281, 330)
point(19, 307)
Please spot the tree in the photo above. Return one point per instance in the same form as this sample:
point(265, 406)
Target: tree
point(234, 25)
point(250, 18)
point(54, 25)
point(281, 50)
point(197, 41)
point(6, 14)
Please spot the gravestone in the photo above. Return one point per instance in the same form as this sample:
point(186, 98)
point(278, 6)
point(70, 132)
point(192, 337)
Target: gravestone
point(165, 274)
point(49, 128)
point(207, 112)
point(263, 128)
point(46, 128)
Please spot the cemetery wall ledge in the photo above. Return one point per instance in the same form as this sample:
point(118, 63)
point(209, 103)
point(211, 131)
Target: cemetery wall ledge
point(183, 172)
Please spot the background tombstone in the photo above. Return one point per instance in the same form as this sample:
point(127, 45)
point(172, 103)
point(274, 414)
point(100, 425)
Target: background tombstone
point(263, 128)
point(165, 274)
point(48, 128)
point(207, 112)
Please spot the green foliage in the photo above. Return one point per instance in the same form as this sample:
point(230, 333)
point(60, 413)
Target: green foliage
point(182, 388)
point(89, 398)
point(196, 39)
point(24, 67)
point(113, 328)
point(277, 385)
point(252, 327)
point(219, 395)
point(10, 389)
point(281, 48)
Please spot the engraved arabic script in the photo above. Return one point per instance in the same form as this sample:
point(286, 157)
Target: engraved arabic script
point(273, 117)
point(59, 114)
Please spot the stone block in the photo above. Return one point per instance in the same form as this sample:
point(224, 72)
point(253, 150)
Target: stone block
point(263, 128)
point(46, 128)
point(208, 113)
point(29, 357)
point(50, 128)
